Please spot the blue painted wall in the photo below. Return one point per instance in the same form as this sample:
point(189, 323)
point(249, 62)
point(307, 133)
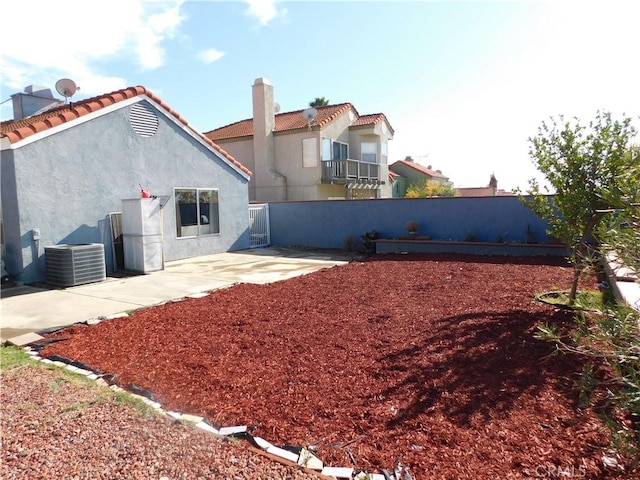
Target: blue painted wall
point(67, 183)
point(327, 224)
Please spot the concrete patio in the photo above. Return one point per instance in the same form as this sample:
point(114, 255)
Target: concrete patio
point(33, 308)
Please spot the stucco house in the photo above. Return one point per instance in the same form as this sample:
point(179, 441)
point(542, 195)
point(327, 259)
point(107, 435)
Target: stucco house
point(407, 172)
point(331, 152)
point(68, 171)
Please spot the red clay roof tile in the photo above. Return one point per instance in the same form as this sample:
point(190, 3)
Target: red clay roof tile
point(418, 168)
point(18, 130)
point(293, 121)
point(371, 119)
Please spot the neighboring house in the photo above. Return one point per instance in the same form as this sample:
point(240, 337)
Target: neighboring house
point(331, 152)
point(410, 173)
point(490, 190)
point(66, 170)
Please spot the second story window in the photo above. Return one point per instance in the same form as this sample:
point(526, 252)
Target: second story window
point(340, 151)
point(334, 150)
point(369, 152)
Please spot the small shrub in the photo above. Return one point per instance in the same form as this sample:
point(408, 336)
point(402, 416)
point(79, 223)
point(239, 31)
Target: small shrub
point(367, 243)
point(606, 337)
point(471, 237)
point(349, 244)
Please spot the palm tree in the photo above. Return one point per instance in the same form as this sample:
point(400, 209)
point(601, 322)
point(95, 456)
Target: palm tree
point(319, 102)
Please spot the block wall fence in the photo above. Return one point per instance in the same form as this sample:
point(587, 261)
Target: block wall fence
point(328, 224)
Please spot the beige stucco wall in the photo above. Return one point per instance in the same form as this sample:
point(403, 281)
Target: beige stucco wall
point(306, 183)
point(301, 182)
point(242, 151)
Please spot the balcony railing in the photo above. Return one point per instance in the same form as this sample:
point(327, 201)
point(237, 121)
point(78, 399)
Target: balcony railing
point(347, 170)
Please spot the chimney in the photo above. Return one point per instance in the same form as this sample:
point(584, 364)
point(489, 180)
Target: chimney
point(34, 100)
point(270, 184)
point(493, 185)
point(263, 123)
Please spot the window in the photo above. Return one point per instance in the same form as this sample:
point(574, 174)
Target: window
point(340, 151)
point(197, 212)
point(369, 152)
point(334, 150)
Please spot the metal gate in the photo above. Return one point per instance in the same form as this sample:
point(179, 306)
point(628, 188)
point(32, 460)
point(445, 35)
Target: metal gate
point(259, 225)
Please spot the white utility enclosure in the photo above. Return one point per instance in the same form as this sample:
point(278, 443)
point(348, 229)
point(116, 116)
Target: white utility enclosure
point(142, 234)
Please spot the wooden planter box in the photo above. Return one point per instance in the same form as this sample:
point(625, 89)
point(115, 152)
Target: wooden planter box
point(417, 245)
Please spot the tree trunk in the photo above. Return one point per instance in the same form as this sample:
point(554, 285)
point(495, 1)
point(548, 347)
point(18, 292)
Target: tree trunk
point(581, 250)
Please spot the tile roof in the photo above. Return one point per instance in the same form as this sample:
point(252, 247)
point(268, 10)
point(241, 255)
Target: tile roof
point(482, 192)
point(418, 168)
point(293, 121)
point(17, 130)
point(371, 119)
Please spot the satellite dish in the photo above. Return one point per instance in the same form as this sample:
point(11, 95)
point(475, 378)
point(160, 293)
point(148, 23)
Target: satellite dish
point(310, 114)
point(276, 107)
point(66, 87)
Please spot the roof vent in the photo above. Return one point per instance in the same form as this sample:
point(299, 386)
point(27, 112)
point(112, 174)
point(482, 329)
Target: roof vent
point(143, 119)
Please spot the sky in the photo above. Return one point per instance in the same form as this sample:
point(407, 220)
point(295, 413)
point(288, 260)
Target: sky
point(464, 84)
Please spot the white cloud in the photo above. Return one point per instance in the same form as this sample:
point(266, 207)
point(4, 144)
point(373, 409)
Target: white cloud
point(264, 10)
point(71, 38)
point(211, 55)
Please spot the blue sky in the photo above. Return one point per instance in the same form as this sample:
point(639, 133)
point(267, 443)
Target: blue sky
point(464, 84)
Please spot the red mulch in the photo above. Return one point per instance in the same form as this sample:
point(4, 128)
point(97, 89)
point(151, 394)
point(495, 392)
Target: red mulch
point(429, 359)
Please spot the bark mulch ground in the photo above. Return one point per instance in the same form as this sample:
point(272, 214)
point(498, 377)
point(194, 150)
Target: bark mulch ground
point(426, 359)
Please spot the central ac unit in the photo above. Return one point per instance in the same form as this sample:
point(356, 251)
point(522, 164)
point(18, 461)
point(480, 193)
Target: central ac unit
point(74, 264)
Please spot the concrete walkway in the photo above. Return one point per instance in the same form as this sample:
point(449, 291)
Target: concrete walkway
point(29, 309)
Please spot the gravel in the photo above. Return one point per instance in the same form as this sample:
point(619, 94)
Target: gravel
point(56, 426)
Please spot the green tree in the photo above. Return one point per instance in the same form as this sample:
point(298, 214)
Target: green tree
point(319, 102)
point(620, 232)
point(430, 188)
point(584, 166)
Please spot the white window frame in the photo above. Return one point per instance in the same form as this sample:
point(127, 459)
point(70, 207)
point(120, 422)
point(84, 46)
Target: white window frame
point(328, 146)
point(202, 224)
point(366, 155)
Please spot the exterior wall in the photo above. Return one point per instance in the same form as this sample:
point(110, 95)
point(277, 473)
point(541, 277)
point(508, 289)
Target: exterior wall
point(399, 187)
point(302, 182)
point(329, 224)
point(386, 189)
point(66, 184)
point(338, 129)
point(328, 191)
point(242, 151)
point(377, 136)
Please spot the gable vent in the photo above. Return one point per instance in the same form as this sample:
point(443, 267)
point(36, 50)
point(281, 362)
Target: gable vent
point(143, 120)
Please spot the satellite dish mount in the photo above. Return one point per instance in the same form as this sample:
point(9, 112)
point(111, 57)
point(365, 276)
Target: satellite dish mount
point(310, 115)
point(67, 88)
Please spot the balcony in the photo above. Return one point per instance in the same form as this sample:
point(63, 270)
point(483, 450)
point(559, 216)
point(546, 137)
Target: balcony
point(348, 170)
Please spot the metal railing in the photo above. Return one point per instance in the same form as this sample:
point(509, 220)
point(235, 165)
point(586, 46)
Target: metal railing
point(342, 171)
